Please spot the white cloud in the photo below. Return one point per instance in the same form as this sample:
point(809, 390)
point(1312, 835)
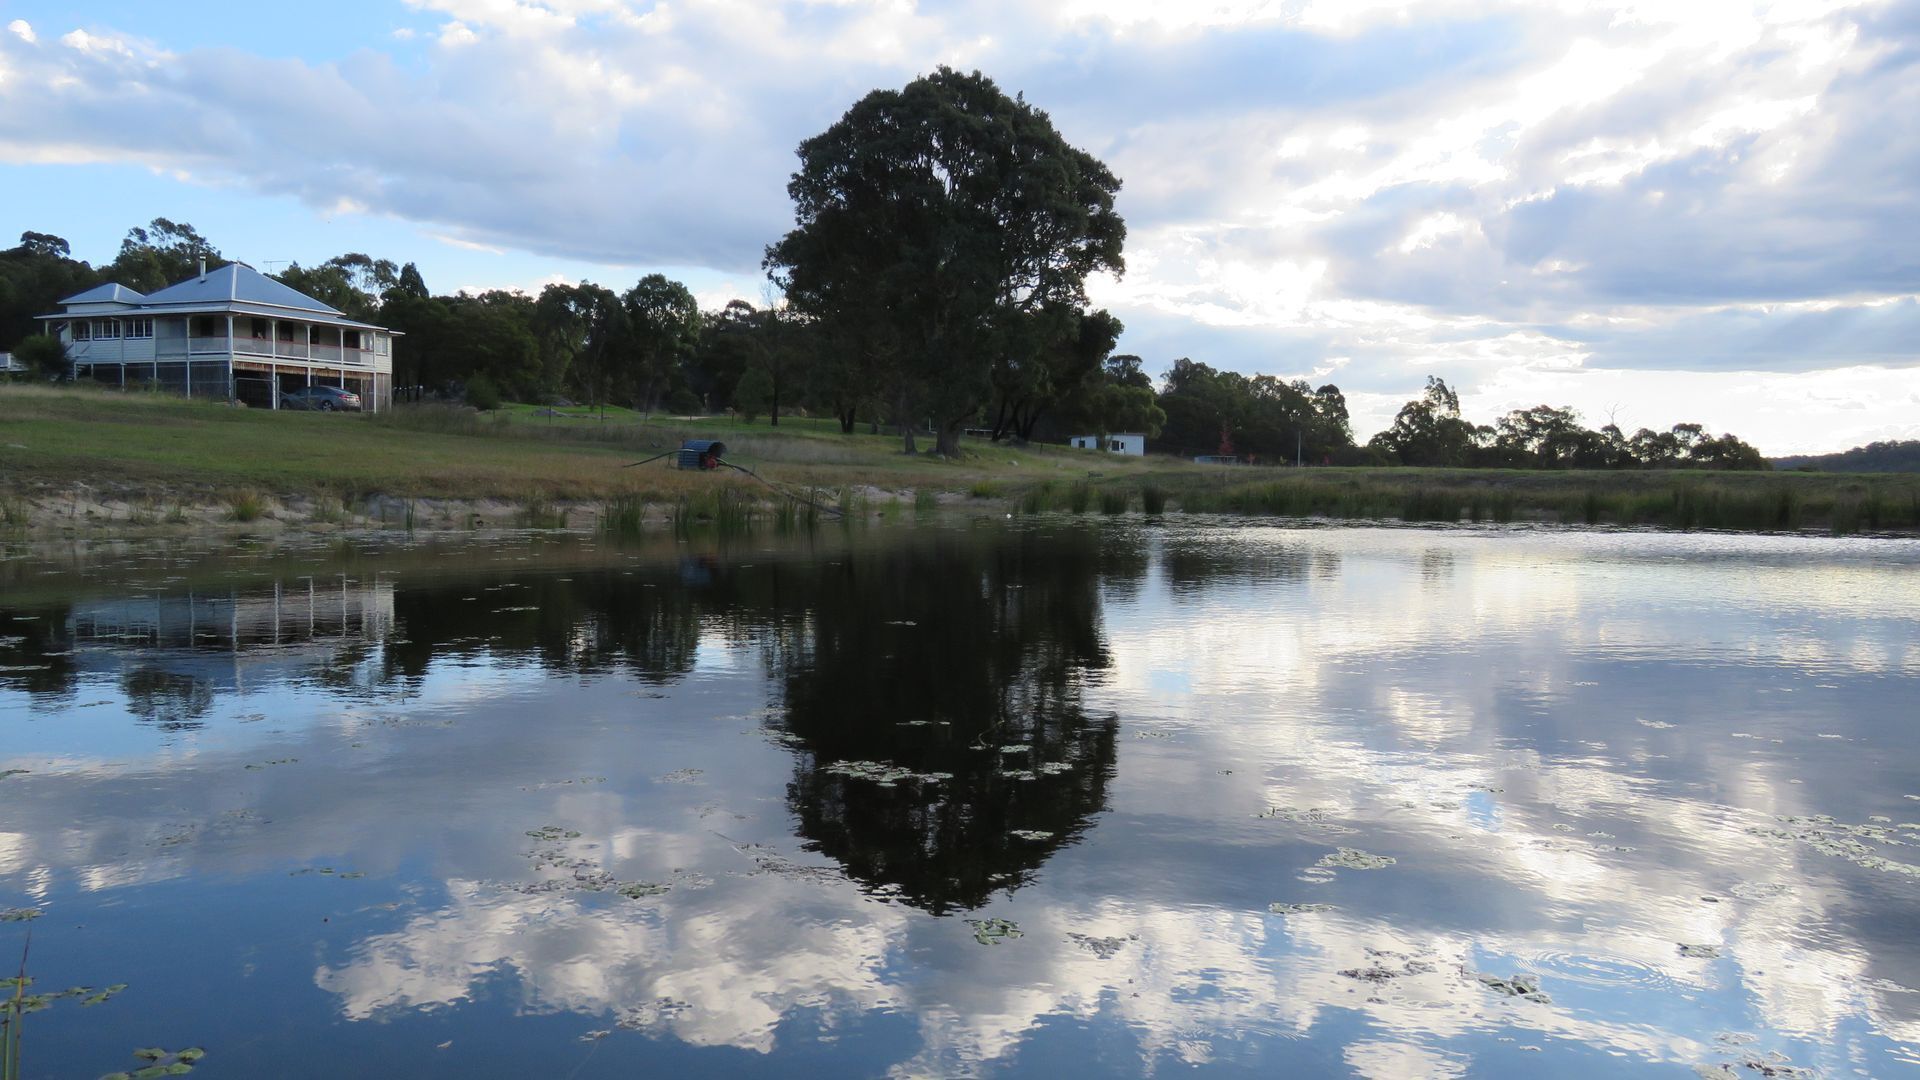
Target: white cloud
point(457, 34)
point(23, 30)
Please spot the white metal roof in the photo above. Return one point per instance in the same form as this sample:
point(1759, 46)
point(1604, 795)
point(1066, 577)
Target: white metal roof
point(235, 288)
point(236, 282)
point(111, 292)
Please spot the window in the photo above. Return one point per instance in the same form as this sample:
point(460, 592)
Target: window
point(258, 327)
point(82, 331)
point(139, 327)
point(106, 328)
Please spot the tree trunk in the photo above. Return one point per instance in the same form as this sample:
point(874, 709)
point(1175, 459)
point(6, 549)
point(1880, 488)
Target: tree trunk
point(946, 441)
point(903, 416)
point(846, 421)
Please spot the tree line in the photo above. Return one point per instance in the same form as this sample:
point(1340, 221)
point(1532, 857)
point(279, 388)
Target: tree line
point(1892, 455)
point(934, 282)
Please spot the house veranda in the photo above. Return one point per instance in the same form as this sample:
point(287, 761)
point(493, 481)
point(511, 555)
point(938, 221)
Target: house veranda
point(233, 334)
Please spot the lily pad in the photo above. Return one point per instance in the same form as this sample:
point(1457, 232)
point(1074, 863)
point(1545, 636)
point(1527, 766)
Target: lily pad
point(104, 996)
point(640, 890)
point(19, 914)
point(1297, 909)
point(1700, 952)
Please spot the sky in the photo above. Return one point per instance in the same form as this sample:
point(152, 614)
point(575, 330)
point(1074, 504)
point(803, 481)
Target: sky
point(1652, 212)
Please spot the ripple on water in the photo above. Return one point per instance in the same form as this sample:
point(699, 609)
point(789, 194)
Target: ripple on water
point(1610, 972)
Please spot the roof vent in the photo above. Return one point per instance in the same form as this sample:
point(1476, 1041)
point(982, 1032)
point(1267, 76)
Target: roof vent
point(203, 266)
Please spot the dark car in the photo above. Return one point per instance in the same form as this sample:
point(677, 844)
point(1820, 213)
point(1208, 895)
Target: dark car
point(321, 398)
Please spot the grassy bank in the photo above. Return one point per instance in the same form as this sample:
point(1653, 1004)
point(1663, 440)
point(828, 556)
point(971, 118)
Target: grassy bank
point(155, 459)
point(67, 455)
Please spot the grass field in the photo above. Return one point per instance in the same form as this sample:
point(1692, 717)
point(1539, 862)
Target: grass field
point(145, 457)
point(52, 440)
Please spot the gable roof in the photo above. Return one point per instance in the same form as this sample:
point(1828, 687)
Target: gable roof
point(236, 282)
point(103, 294)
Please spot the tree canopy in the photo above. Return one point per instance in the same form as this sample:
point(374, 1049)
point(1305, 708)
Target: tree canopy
point(944, 230)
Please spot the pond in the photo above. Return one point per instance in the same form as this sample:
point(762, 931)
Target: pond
point(1039, 797)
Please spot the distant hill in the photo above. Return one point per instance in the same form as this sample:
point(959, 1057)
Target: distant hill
point(1901, 455)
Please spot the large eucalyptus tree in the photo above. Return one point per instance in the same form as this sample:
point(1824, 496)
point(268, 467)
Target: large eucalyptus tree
point(934, 224)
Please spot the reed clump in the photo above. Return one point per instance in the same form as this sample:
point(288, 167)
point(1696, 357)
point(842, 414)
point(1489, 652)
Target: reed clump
point(245, 505)
point(541, 513)
point(1114, 501)
point(1079, 497)
point(726, 510)
point(1037, 499)
point(623, 515)
point(1153, 500)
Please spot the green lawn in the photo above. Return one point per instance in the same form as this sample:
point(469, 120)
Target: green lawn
point(156, 448)
point(54, 439)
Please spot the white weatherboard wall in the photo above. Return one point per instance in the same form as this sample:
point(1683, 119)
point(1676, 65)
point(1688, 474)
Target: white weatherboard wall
point(1132, 444)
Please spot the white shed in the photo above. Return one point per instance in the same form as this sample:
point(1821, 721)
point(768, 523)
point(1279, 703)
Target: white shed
point(1130, 443)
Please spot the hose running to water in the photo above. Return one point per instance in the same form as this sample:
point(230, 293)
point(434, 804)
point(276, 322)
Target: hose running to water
point(771, 486)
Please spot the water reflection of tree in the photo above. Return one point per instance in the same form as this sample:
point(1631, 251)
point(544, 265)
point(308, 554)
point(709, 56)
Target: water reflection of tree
point(36, 652)
point(171, 701)
point(644, 622)
point(932, 657)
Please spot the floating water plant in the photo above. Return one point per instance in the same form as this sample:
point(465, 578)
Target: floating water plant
point(160, 1063)
point(885, 774)
point(1030, 834)
point(640, 890)
point(1297, 909)
point(1830, 837)
point(1521, 986)
point(993, 931)
point(1379, 970)
point(1354, 859)
point(1103, 947)
point(19, 914)
point(1700, 952)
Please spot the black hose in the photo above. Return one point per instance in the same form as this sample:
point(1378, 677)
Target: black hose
point(777, 490)
point(771, 486)
point(650, 460)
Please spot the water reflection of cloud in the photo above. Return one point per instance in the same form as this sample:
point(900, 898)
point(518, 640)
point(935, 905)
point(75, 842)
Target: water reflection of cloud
point(720, 970)
point(1481, 724)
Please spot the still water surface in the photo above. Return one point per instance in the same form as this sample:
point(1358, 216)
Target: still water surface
point(1059, 799)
